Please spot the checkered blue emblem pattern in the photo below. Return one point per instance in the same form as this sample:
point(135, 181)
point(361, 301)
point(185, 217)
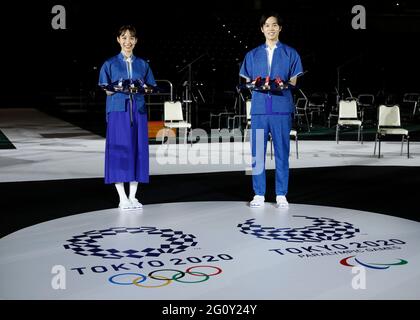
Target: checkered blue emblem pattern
point(86, 244)
point(322, 229)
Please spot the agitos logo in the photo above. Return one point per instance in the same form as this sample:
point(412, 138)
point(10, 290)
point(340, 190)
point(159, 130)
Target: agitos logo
point(322, 229)
point(87, 244)
point(165, 277)
point(371, 265)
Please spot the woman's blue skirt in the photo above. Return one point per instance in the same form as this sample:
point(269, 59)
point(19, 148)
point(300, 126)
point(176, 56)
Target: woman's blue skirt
point(127, 147)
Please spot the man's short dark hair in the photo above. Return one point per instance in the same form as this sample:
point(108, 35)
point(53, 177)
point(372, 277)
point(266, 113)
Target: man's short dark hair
point(267, 15)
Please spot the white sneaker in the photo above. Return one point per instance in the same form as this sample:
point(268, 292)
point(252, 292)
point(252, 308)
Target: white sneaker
point(135, 204)
point(257, 202)
point(125, 205)
point(282, 202)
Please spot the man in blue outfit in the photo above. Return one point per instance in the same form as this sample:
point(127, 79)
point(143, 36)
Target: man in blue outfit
point(271, 112)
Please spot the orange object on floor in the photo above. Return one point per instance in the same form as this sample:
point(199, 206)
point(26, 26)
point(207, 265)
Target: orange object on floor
point(155, 127)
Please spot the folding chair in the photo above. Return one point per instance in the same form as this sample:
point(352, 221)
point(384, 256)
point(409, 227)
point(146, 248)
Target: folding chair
point(174, 119)
point(347, 116)
point(389, 123)
point(248, 117)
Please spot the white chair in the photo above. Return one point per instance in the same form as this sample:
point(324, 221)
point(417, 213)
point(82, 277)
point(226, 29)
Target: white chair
point(174, 119)
point(389, 123)
point(293, 133)
point(248, 117)
point(347, 116)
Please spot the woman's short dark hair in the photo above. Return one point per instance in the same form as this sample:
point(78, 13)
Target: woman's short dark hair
point(267, 15)
point(130, 28)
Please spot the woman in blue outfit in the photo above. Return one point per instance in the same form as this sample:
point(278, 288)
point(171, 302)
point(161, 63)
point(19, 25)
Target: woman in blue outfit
point(271, 112)
point(127, 147)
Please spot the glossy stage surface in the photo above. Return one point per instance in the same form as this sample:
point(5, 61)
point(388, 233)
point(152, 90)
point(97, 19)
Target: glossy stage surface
point(214, 250)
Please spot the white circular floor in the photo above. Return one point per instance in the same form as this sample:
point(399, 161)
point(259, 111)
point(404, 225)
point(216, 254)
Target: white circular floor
point(214, 250)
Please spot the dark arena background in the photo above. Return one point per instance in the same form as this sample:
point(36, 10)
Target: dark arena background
point(212, 38)
point(351, 207)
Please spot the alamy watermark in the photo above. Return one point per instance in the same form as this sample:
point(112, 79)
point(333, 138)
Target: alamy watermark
point(359, 20)
point(359, 280)
point(59, 19)
point(58, 281)
point(214, 150)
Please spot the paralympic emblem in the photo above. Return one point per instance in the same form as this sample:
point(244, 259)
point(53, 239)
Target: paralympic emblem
point(322, 229)
point(87, 244)
point(162, 277)
point(379, 266)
